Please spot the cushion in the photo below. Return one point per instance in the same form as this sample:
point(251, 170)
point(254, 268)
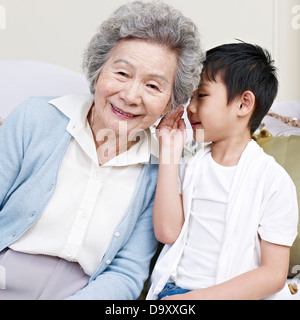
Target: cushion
point(285, 150)
point(276, 125)
point(279, 128)
point(21, 79)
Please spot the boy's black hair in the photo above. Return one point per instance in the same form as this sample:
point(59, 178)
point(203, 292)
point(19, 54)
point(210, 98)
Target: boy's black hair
point(243, 67)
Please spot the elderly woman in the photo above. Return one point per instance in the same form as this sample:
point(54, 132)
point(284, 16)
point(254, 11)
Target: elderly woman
point(77, 172)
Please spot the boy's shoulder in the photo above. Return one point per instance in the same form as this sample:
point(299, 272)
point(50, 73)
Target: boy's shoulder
point(194, 149)
point(274, 171)
point(260, 160)
point(191, 159)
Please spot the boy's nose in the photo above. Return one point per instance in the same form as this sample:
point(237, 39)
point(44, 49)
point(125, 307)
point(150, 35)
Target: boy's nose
point(191, 108)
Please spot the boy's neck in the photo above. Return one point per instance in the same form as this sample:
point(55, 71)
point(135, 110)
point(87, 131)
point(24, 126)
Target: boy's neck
point(228, 152)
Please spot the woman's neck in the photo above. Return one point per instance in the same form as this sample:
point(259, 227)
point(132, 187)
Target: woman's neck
point(108, 143)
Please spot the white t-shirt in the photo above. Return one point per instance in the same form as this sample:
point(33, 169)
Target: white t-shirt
point(198, 265)
point(262, 204)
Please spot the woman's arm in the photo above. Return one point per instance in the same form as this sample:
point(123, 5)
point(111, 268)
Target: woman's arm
point(168, 216)
point(256, 284)
point(11, 150)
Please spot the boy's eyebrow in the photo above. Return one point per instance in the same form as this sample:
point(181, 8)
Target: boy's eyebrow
point(203, 84)
point(152, 75)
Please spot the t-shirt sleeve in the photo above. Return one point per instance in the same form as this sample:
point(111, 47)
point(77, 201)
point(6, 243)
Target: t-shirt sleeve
point(279, 220)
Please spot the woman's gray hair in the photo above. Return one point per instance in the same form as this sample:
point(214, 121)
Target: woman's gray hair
point(158, 22)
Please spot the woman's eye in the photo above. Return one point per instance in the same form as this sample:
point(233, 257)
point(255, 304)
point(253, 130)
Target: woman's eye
point(153, 86)
point(121, 73)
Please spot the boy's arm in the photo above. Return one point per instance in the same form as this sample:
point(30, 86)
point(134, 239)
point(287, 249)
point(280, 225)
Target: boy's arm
point(256, 284)
point(168, 216)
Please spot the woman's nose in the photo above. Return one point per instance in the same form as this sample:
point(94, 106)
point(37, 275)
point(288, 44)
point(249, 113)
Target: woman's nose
point(131, 93)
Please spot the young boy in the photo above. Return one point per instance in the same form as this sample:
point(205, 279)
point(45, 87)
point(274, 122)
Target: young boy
point(230, 226)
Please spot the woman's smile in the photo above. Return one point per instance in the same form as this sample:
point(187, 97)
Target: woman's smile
point(121, 113)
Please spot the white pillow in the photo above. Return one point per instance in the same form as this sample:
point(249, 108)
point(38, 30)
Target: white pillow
point(287, 109)
point(277, 127)
point(21, 79)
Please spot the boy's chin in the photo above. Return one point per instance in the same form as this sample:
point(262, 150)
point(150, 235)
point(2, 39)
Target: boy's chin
point(198, 136)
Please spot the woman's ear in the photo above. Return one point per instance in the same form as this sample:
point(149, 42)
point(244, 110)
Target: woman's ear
point(97, 78)
point(247, 103)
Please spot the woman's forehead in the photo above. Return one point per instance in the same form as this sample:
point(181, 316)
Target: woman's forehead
point(158, 60)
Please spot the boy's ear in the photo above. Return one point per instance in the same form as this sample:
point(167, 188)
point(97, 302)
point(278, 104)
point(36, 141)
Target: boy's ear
point(247, 103)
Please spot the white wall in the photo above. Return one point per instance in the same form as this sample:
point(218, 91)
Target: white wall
point(287, 48)
point(57, 31)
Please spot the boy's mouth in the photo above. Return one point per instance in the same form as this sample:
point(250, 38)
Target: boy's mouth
point(195, 124)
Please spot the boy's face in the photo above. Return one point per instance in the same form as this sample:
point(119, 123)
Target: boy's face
point(209, 111)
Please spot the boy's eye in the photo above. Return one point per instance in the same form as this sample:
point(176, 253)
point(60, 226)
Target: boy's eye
point(201, 95)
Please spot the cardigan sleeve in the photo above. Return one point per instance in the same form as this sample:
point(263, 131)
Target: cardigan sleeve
point(11, 150)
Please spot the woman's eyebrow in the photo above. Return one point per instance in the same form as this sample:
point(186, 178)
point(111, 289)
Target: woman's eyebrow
point(152, 75)
point(122, 61)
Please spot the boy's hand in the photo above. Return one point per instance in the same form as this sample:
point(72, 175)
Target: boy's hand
point(172, 135)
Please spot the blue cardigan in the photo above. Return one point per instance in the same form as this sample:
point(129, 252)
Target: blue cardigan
point(33, 140)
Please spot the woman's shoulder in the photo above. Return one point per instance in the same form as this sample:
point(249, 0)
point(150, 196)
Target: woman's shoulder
point(37, 116)
point(38, 111)
point(39, 107)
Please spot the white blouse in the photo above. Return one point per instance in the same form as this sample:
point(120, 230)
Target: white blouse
point(90, 200)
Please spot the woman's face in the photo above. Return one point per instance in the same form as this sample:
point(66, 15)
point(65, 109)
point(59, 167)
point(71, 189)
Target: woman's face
point(134, 86)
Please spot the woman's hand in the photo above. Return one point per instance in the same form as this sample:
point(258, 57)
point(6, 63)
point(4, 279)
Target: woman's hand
point(172, 135)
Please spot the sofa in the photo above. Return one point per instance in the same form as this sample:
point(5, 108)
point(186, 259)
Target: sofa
point(21, 79)
point(279, 136)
